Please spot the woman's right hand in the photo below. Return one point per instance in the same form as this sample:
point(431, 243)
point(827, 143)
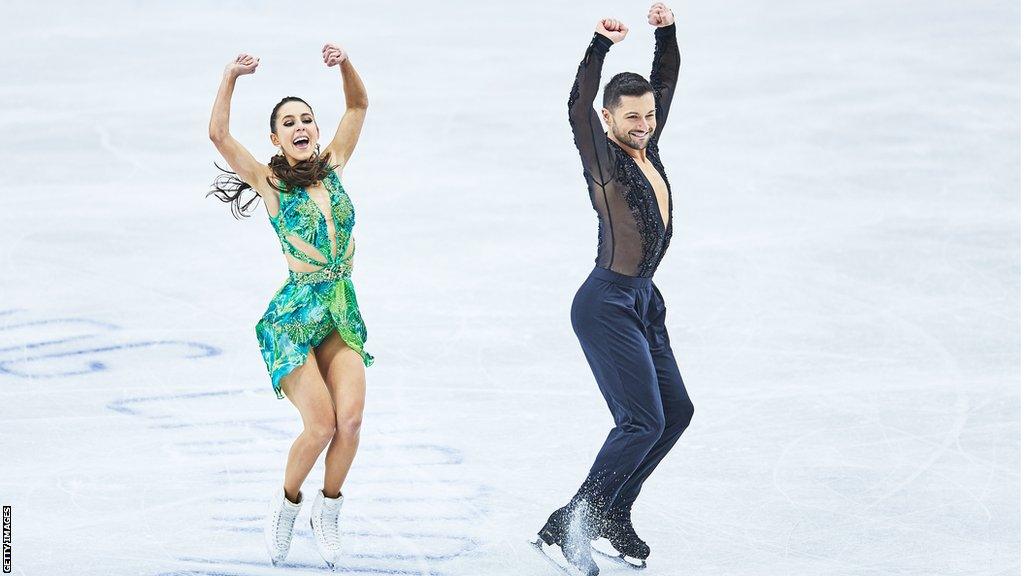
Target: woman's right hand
point(242, 65)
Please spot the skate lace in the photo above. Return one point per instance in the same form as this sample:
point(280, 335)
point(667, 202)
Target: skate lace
point(285, 525)
point(329, 528)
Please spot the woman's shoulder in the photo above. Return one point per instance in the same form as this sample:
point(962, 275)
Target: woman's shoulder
point(266, 188)
point(333, 175)
point(260, 180)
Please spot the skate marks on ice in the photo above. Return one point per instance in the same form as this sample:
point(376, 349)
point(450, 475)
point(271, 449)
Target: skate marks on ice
point(39, 347)
point(408, 509)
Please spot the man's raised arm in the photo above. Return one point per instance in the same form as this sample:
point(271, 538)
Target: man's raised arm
point(586, 124)
point(665, 70)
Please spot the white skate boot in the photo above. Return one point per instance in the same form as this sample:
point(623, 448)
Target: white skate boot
point(279, 524)
point(326, 530)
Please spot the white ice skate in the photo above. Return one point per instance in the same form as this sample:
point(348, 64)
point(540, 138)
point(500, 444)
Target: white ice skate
point(279, 525)
point(324, 520)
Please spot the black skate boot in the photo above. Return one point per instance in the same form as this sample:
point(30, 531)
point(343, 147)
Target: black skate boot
point(568, 529)
point(627, 546)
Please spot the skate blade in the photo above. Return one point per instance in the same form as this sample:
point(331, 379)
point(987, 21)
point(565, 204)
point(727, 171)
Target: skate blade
point(549, 552)
point(605, 549)
point(333, 566)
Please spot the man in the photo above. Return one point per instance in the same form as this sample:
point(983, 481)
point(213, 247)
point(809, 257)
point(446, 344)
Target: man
point(618, 314)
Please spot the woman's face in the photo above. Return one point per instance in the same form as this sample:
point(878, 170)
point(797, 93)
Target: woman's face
point(296, 132)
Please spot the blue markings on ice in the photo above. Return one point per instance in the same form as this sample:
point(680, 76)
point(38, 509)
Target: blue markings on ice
point(407, 524)
point(82, 352)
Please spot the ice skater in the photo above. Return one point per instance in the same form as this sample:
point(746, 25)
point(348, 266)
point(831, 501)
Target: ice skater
point(312, 333)
point(618, 314)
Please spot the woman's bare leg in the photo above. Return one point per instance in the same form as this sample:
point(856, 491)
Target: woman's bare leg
point(305, 387)
point(343, 372)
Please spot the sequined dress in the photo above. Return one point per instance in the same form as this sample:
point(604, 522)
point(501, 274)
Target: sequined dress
point(310, 305)
point(632, 238)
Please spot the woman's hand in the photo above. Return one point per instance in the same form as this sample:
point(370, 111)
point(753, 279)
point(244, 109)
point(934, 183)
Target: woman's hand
point(333, 54)
point(242, 65)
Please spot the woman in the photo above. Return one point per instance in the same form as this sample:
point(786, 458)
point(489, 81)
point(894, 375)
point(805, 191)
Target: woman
point(312, 334)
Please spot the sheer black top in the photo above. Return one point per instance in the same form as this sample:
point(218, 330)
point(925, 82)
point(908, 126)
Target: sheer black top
point(631, 236)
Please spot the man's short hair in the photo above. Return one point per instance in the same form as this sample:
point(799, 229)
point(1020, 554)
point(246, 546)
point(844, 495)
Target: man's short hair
point(624, 84)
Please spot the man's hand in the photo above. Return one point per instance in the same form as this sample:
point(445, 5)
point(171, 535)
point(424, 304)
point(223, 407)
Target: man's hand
point(333, 54)
point(242, 65)
point(612, 29)
point(660, 15)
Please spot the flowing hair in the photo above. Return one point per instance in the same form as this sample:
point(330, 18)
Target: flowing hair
point(232, 190)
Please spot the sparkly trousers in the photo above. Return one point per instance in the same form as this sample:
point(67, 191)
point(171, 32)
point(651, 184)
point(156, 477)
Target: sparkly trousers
point(620, 323)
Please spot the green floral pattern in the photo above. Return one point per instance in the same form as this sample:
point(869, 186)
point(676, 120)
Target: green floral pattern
point(310, 305)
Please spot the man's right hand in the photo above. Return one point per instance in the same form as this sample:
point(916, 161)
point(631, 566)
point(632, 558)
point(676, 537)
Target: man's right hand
point(242, 65)
point(612, 29)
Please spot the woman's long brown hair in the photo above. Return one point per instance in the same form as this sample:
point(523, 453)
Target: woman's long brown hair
point(230, 189)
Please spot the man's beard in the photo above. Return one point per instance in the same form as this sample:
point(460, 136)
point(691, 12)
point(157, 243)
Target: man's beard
point(630, 140)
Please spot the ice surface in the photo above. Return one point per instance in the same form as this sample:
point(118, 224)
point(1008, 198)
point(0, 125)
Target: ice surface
point(843, 286)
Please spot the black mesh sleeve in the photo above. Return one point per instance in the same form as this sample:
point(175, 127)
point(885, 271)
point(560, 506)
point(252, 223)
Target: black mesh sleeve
point(664, 73)
point(586, 125)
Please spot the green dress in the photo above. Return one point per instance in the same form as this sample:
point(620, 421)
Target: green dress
point(312, 304)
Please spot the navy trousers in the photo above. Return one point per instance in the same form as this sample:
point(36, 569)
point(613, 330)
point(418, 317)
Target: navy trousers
point(620, 323)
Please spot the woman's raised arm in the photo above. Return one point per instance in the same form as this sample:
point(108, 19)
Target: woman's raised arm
point(356, 103)
point(250, 170)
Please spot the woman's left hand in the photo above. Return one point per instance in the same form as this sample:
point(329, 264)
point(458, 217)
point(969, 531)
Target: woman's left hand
point(333, 54)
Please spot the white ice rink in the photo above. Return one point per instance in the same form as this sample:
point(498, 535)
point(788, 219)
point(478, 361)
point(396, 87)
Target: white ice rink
point(843, 286)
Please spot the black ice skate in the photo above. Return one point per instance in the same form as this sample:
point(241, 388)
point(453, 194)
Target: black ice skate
point(567, 528)
point(622, 542)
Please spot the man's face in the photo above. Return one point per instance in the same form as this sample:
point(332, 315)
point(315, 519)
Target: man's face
point(632, 122)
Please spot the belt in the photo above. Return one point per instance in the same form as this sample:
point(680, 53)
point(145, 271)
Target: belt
point(328, 274)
